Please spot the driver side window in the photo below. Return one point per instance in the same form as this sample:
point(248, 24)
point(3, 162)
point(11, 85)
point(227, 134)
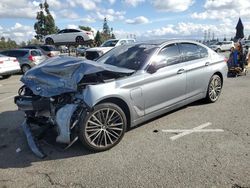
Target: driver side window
point(170, 54)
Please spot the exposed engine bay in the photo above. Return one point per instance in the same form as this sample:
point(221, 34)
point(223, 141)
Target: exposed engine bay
point(53, 98)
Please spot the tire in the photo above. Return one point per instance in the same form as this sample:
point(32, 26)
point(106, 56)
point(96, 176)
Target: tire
point(25, 68)
point(6, 76)
point(102, 128)
point(49, 41)
point(79, 40)
point(218, 50)
point(214, 89)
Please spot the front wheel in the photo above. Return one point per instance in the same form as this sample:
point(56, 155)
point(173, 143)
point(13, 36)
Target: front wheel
point(49, 41)
point(214, 89)
point(103, 128)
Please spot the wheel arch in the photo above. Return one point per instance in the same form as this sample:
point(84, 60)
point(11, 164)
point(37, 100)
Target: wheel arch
point(220, 75)
point(122, 104)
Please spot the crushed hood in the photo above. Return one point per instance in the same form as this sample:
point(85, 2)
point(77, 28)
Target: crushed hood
point(62, 74)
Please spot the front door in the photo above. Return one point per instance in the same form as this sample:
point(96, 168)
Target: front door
point(167, 86)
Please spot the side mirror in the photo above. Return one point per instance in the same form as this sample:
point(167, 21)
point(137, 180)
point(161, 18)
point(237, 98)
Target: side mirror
point(151, 69)
point(156, 66)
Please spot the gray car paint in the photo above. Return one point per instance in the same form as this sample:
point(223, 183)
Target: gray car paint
point(151, 94)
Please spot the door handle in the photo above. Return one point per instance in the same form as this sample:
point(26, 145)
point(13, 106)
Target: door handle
point(207, 63)
point(180, 71)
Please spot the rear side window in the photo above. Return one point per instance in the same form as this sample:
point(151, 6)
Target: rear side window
point(171, 54)
point(35, 53)
point(17, 53)
point(48, 48)
point(203, 51)
point(189, 51)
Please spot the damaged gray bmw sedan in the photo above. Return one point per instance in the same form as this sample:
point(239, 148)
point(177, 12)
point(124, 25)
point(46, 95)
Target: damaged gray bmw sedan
point(96, 102)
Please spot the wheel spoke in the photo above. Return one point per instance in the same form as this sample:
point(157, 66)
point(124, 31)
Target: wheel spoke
point(96, 132)
point(96, 119)
point(111, 116)
point(112, 134)
point(115, 124)
point(115, 128)
point(91, 130)
point(107, 116)
point(98, 135)
point(111, 141)
point(94, 123)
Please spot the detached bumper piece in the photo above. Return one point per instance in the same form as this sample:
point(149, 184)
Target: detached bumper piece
point(31, 141)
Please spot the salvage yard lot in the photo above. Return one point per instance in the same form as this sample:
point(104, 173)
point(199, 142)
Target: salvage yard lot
point(147, 156)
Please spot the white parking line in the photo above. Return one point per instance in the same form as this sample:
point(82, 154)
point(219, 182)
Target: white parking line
point(184, 132)
point(5, 99)
point(1, 85)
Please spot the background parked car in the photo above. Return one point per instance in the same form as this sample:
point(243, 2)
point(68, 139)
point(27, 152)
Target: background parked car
point(27, 58)
point(222, 46)
point(80, 51)
point(70, 36)
point(8, 66)
point(47, 50)
point(94, 53)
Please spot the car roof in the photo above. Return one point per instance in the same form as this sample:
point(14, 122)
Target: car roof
point(160, 42)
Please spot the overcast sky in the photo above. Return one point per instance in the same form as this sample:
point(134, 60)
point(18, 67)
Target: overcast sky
point(143, 18)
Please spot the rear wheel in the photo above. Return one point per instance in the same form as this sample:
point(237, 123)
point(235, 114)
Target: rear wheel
point(214, 88)
point(103, 128)
point(218, 50)
point(25, 68)
point(6, 76)
point(79, 40)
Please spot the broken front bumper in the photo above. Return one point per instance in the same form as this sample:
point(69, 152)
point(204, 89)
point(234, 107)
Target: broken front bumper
point(31, 141)
point(65, 119)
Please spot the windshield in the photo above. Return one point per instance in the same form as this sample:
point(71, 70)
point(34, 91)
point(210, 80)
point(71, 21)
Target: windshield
point(129, 56)
point(109, 43)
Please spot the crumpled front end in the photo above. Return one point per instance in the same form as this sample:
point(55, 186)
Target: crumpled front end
point(61, 112)
point(53, 95)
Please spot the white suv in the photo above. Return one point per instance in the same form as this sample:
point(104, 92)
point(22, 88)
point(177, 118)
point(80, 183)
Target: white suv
point(222, 46)
point(93, 53)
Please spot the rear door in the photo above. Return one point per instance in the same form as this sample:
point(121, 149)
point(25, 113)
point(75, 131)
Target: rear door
point(167, 86)
point(197, 68)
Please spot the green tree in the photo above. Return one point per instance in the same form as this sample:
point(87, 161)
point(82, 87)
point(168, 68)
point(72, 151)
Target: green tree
point(45, 23)
point(9, 44)
point(86, 28)
point(98, 39)
point(23, 43)
point(225, 39)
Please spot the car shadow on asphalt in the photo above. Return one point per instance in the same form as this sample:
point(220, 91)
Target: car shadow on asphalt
point(15, 152)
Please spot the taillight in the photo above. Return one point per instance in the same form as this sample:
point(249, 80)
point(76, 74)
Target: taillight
point(15, 60)
point(50, 55)
point(88, 33)
point(225, 59)
point(31, 58)
point(1, 62)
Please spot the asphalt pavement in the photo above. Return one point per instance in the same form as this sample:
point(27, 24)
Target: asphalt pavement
point(199, 145)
